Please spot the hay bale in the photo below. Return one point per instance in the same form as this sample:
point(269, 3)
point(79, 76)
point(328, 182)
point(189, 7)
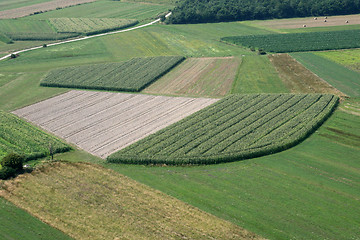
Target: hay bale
point(346, 21)
point(304, 25)
point(315, 18)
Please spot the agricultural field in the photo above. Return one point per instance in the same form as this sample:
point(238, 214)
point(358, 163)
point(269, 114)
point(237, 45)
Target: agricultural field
point(299, 42)
point(340, 77)
point(256, 74)
point(310, 191)
point(10, 4)
point(347, 58)
point(39, 7)
point(20, 137)
point(299, 79)
point(90, 25)
point(236, 127)
point(133, 75)
point(124, 209)
point(16, 223)
point(211, 77)
point(103, 123)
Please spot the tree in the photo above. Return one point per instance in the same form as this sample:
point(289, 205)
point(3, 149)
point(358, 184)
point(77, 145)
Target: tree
point(14, 161)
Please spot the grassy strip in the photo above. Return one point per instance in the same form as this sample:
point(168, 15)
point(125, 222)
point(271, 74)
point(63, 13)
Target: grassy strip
point(347, 58)
point(18, 136)
point(340, 77)
point(236, 127)
point(299, 42)
point(40, 36)
point(5, 39)
point(87, 201)
point(133, 75)
point(16, 223)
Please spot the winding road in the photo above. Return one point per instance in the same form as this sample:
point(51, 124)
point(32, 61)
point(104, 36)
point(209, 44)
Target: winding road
point(84, 38)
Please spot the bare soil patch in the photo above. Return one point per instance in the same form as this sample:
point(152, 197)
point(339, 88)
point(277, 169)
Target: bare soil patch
point(87, 201)
point(311, 22)
point(211, 77)
point(46, 6)
point(299, 79)
point(103, 123)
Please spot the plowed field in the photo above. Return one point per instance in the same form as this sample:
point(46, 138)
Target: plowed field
point(102, 123)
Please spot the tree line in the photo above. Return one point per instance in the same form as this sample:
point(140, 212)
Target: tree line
point(202, 11)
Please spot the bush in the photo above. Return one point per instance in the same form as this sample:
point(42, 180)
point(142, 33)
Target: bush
point(7, 172)
point(13, 160)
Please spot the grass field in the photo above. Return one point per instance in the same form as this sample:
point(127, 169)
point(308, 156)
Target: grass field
point(108, 9)
point(340, 77)
point(234, 128)
point(72, 198)
point(20, 137)
point(10, 4)
point(132, 76)
point(210, 77)
point(299, 79)
point(307, 192)
point(347, 58)
point(256, 74)
point(299, 42)
point(25, 26)
point(18, 224)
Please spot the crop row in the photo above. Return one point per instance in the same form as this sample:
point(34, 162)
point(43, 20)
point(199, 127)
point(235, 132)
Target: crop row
point(234, 128)
point(299, 42)
point(133, 75)
point(20, 137)
point(31, 36)
point(90, 25)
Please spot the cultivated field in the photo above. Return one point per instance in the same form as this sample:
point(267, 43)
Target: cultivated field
point(198, 77)
point(299, 79)
point(133, 75)
point(310, 22)
point(340, 77)
point(46, 6)
point(347, 58)
point(87, 201)
point(299, 42)
point(90, 25)
point(236, 127)
point(20, 137)
point(102, 123)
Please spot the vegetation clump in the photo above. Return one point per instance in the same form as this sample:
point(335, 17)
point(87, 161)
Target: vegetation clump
point(10, 165)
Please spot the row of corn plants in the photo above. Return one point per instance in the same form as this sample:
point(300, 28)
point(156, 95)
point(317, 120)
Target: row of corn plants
point(299, 42)
point(133, 75)
point(236, 127)
point(18, 136)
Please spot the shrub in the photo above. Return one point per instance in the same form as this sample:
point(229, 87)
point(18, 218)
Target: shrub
point(13, 160)
point(7, 172)
point(12, 56)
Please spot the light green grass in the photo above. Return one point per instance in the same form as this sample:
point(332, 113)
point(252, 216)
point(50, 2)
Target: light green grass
point(11, 4)
point(348, 58)
point(310, 191)
point(340, 77)
point(25, 26)
point(256, 74)
point(16, 223)
point(107, 9)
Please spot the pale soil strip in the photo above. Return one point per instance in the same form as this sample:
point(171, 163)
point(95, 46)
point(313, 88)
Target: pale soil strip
point(46, 6)
point(102, 123)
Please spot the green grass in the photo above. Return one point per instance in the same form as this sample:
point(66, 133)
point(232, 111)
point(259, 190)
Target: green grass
point(107, 9)
point(340, 77)
point(300, 42)
point(347, 58)
point(234, 128)
point(16, 223)
point(132, 76)
point(11, 4)
point(256, 74)
point(310, 191)
point(321, 29)
point(25, 26)
point(19, 136)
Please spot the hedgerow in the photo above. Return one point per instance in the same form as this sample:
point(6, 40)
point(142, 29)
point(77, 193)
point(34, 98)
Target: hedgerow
point(236, 127)
point(299, 42)
point(133, 75)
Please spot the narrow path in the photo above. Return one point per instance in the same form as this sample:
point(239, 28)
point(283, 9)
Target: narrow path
point(84, 38)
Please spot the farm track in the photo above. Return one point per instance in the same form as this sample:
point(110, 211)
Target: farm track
point(103, 123)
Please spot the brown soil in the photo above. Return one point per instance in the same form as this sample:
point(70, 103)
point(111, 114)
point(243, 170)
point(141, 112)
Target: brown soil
point(311, 22)
point(46, 6)
point(299, 79)
point(211, 77)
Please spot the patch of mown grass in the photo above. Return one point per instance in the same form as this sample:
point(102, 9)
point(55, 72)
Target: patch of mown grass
point(16, 223)
point(310, 191)
point(347, 58)
point(340, 77)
